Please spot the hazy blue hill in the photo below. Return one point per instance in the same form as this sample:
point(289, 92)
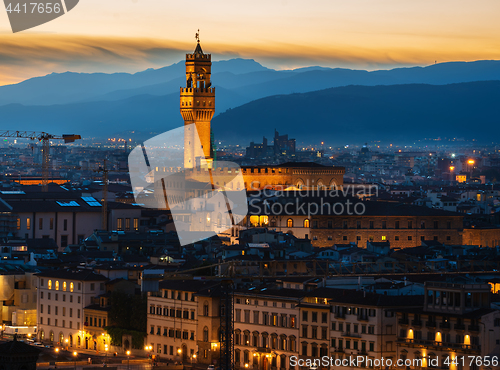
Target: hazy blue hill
point(247, 78)
point(312, 79)
point(69, 87)
point(362, 113)
point(262, 83)
point(237, 66)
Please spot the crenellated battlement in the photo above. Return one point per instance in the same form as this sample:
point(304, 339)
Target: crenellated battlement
point(207, 57)
point(210, 91)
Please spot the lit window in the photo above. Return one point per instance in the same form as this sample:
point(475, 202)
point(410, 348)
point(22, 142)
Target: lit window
point(64, 286)
point(71, 287)
point(57, 284)
point(384, 238)
point(306, 222)
point(50, 284)
point(289, 223)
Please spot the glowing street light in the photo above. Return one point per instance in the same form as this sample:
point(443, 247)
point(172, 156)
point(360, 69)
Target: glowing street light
point(75, 354)
point(128, 360)
point(106, 348)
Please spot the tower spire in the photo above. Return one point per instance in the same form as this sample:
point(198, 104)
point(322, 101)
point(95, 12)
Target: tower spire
point(198, 49)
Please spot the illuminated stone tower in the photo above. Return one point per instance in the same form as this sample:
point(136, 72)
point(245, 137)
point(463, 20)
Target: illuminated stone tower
point(197, 106)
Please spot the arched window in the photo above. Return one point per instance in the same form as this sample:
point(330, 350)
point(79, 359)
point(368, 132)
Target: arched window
point(289, 223)
point(205, 309)
point(51, 336)
point(64, 286)
point(57, 284)
point(71, 287)
point(205, 334)
point(50, 284)
point(306, 223)
point(283, 362)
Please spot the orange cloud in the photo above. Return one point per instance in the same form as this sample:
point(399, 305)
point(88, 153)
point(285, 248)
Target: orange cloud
point(28, 55)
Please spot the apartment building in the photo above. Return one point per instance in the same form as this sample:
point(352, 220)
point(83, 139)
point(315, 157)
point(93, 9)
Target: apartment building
point(273, 324)
point(455, 329)
point(183, 321)
point(266, 327)
point(62, 297)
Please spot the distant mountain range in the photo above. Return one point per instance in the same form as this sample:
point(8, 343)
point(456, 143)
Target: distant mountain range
point(99, 104)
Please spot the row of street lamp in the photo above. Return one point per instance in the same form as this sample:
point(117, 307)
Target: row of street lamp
point(146, 348)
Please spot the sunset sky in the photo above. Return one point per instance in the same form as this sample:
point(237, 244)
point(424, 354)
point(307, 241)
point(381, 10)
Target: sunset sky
point(132, 35)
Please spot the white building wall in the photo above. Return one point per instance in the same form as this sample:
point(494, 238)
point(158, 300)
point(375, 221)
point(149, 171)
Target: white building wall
point(66, 317)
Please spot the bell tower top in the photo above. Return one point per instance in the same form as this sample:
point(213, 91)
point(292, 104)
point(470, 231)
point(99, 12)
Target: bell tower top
point(198, 67)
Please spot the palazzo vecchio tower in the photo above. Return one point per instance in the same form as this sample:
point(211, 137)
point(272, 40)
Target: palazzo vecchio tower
point(197, 105)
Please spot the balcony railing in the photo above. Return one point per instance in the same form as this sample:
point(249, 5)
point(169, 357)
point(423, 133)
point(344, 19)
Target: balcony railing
point(416, 322)
point(404, 321)
point(339, 315)
point(432, 343)
point(459, 326)
point(363, 318)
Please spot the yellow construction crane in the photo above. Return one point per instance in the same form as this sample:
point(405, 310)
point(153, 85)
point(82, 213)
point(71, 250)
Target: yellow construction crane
point(45, 139)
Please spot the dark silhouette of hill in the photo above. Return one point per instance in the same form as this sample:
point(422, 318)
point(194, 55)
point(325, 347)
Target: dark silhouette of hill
point(355, 114)
point(343, 115)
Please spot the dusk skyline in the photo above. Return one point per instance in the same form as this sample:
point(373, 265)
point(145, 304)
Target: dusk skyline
point(98, 37)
